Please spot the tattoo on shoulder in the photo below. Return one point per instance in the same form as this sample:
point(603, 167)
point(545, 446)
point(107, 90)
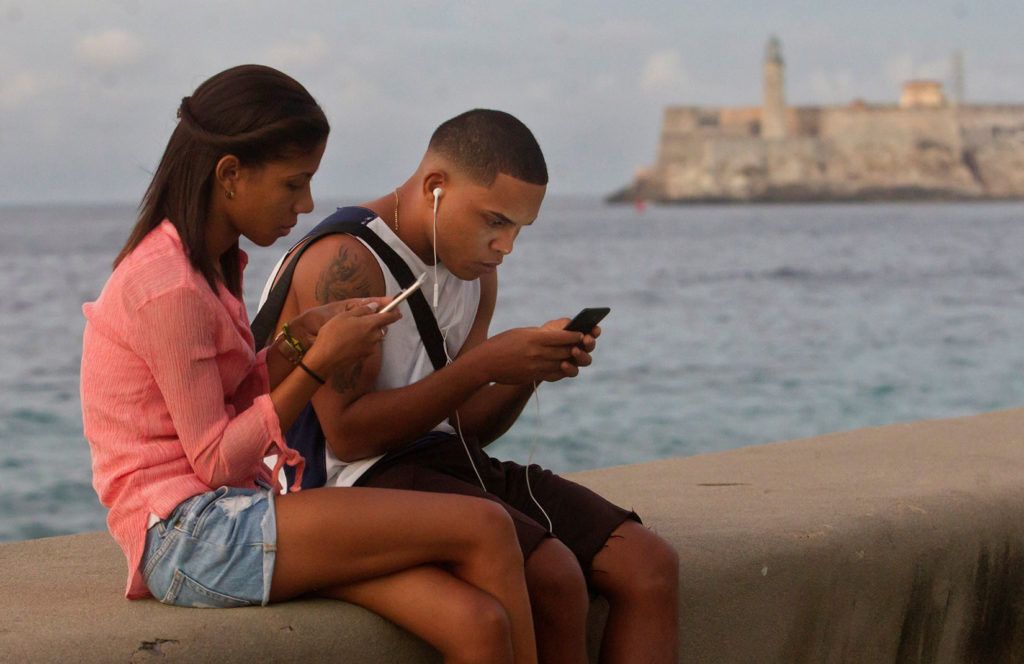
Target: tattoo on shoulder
point(342, 279)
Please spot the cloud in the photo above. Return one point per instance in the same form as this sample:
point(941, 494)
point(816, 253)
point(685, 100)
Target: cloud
point(993, 84)
point(17, 89)
point(606, 34)
point(903, 68)
point(833, 87)
point(110, 49)
point(664, 73)
point(306, 51)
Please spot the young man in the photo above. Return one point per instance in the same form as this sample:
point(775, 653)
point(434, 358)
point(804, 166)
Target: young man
point(480, 183)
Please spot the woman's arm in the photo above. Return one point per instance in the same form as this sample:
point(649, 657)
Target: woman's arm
point(176, 334)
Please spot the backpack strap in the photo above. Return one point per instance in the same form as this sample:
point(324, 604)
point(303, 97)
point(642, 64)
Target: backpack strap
point(306, 435)
point(426, 323)
point(342, 221)
point(352, 221)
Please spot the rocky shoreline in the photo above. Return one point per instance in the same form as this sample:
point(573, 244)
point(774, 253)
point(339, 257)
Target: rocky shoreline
point(790, 195)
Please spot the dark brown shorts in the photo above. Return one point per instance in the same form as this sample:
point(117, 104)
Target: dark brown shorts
point(580, 519)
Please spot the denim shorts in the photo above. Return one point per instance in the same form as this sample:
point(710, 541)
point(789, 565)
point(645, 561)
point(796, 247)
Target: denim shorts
point(215, 550)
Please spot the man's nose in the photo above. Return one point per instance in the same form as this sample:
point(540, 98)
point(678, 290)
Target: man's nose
point(505, 242)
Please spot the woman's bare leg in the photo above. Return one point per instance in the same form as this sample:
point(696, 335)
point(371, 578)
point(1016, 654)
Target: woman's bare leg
point(335, 537)
point(465, 624)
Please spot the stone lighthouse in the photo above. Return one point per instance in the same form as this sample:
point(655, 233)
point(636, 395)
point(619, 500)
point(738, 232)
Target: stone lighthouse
point(773, 110)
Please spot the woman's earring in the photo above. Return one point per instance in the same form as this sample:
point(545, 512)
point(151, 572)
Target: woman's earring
point(230, 194)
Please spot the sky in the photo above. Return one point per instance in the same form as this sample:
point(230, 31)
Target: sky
point(88, 90)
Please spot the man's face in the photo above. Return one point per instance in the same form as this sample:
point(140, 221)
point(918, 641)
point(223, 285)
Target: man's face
point(477, 225)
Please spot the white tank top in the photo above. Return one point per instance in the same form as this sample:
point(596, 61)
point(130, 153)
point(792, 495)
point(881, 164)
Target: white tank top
point(405, 358)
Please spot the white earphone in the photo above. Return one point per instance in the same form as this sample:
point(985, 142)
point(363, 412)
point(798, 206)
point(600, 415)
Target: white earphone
point(438, 193)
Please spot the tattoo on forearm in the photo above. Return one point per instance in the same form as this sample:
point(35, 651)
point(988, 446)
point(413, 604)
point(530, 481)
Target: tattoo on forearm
point(341, 279)
point(344, 380)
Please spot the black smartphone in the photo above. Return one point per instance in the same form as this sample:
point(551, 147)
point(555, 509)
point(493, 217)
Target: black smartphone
point(586, 319)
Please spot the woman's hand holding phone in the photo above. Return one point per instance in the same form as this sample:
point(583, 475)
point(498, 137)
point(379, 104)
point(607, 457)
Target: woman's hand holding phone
point(343, 332)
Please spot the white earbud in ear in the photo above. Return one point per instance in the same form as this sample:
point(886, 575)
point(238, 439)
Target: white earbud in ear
point(438, 193)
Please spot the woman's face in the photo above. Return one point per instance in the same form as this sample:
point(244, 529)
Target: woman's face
point(269, 197)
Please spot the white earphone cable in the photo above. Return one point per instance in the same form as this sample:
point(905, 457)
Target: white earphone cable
point(437, 199)
point(458, 423)
point(529, 461)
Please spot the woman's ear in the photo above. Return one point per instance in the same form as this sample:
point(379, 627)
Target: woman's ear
point(227, 172)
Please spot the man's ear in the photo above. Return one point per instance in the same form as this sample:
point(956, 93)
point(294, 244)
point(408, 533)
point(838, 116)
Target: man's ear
point(227, 172)
point(431, 181)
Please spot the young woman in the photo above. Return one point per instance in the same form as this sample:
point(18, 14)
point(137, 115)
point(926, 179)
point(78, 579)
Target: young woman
point(179, 411)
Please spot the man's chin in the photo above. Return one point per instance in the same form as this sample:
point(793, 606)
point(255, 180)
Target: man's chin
point(473, 271)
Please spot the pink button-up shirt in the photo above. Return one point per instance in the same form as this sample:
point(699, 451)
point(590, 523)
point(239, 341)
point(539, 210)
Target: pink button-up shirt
point(174, 399)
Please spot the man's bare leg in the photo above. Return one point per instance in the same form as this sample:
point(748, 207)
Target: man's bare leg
point(638, 573)
point(558, 594)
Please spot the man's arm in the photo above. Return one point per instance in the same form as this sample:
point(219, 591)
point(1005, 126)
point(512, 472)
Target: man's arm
point(494, 408)
point(359, 422)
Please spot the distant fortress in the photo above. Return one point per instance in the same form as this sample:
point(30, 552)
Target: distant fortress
point(925, 147)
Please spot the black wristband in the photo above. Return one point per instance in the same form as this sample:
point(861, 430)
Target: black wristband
point(302, 365)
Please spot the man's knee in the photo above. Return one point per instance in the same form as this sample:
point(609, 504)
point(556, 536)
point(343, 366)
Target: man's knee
point(637, 562)
point(662, 568)
point(554, 577)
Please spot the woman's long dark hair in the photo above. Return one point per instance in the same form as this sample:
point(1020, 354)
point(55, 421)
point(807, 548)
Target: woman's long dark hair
point(255, 113)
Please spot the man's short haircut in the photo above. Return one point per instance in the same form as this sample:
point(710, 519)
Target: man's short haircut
point(483, 143)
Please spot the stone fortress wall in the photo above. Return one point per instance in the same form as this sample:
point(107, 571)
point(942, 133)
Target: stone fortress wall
point(926, 147)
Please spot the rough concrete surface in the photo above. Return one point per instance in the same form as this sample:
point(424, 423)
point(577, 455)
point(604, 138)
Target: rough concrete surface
point(902, 543)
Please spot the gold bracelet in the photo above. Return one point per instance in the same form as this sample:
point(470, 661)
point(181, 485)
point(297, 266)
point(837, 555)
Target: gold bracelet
point(289, 346)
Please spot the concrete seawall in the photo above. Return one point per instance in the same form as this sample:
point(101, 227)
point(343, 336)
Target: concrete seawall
point(902, 543)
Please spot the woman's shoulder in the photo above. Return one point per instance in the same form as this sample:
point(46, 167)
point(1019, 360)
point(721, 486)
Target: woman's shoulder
point(158, 265)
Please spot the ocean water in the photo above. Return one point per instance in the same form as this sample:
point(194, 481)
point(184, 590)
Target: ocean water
point(730, 326)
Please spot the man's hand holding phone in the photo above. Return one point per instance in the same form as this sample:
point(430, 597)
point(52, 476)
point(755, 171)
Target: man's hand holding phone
point(587, 319)
point(586, 323)
point(526, 355)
